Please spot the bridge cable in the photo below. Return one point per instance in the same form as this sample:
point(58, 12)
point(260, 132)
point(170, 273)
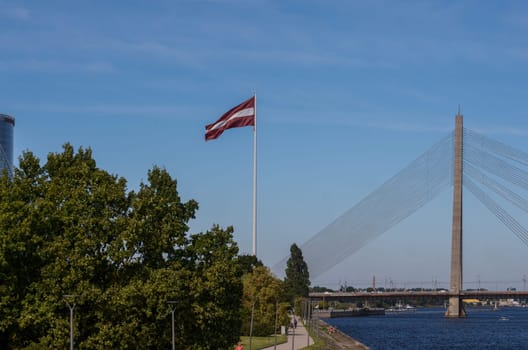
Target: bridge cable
point(402, 195)
point(497, 210)
point(496, 166)
point(494, 146)
point(496, 187)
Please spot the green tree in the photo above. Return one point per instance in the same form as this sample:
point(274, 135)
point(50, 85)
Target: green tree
point(68, 227)
point(264, 291)
point(297, 280)
point(19, 260)
point(248, 263)
point(213, 319)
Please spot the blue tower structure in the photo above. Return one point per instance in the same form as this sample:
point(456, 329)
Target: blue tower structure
point(7, 124)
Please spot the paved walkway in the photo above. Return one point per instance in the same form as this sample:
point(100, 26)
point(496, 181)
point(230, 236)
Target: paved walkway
point(297, 339)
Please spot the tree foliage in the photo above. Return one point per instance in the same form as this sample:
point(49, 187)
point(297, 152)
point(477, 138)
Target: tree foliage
point(248, 263)
point(264, 293)
point(297, 280)
point(68, 227)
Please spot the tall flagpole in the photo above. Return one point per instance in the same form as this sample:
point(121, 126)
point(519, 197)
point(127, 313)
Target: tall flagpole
point(255, 180)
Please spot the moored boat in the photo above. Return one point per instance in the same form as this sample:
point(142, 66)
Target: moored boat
point(401, 308)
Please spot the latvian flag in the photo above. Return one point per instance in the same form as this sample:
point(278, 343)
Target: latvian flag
point(241, 115)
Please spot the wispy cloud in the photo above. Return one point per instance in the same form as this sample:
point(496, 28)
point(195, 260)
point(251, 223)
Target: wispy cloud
point(154, 49)
point(408, 127)
point(188, 42)
point(502, 130)
point(115, 110)
point(355, 119)
point(14, 12)
point(517, 18)
point(44, 65)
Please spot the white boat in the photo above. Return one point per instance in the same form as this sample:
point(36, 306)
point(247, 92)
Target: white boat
point(399, 307)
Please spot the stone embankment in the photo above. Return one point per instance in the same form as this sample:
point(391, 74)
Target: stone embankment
point(335, 339)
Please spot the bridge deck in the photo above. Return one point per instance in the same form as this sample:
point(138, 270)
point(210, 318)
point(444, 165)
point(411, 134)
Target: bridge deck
point(421, 294)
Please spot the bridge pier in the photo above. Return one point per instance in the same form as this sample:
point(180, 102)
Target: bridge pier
point(456, 307)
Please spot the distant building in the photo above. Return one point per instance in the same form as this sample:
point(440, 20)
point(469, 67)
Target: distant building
point(7, 124)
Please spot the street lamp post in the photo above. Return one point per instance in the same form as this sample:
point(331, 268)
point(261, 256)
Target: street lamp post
point(251, 324)
point(308, 320)
point(276, 317)
point(70, 301)
point(293, 331)
point(172, 306)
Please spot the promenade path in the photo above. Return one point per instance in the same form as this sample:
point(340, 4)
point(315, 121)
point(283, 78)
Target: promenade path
point(297, 339)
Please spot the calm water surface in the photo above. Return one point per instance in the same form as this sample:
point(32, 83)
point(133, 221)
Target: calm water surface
point(429, 329)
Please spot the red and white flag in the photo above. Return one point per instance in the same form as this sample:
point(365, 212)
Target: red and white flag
point(236, 117)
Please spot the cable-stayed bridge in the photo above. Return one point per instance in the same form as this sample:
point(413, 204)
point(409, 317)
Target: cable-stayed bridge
point(464, 158)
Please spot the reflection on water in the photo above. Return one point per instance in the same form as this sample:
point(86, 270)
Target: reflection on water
point(428, 329)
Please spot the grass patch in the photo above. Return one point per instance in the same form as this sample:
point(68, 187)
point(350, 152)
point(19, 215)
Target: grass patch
point(262, 342)
point(319, 342)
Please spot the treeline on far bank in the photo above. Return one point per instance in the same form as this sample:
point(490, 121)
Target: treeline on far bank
point(72, 232)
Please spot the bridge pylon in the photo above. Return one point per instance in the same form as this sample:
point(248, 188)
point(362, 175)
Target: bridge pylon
point(456, 306)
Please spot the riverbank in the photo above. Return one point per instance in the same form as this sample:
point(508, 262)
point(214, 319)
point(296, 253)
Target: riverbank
point(334, 338)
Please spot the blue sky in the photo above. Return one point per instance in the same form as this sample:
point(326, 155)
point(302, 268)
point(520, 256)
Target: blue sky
point(349, 92)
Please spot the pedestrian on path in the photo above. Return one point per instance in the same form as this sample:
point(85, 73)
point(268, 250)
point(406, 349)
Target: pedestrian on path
point(239, 346)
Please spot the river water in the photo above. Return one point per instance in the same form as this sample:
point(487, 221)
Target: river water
point(428, 329)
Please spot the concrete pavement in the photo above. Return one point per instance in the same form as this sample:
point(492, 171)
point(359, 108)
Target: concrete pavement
point(297, 338)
